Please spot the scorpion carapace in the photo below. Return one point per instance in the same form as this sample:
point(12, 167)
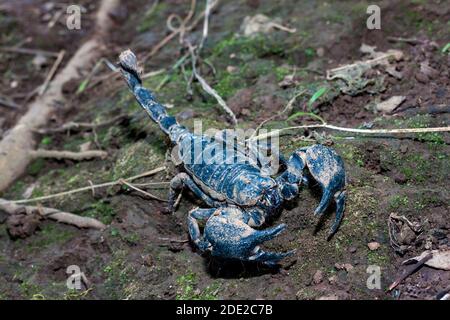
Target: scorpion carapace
point(239, 197)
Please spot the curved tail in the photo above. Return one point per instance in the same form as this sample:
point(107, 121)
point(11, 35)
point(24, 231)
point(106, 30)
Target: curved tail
point(158, 113)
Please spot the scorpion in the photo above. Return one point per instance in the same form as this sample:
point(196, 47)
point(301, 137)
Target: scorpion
point(240, 199)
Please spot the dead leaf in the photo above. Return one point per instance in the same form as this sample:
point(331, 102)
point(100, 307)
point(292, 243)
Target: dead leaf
point(352, 77)
point(427, 70)
point(260, 23)
point(288, 81)
point(390, 104)
point(439, 260)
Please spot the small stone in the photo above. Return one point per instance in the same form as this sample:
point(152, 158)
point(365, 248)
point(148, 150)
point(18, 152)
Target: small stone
point(14, 84)
point(373, 245)
point(348, 267)
point(421, 77)
point(343, 266)
point(318, 277)
point(338, 266)
point(400, 178)
point(333, 280)
point(148, 260)
point(232, 69)
point(39, 61)
point(320, 52)
point(352, 249)
point(403, 148)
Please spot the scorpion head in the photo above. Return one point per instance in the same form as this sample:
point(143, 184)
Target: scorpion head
point(270, 200)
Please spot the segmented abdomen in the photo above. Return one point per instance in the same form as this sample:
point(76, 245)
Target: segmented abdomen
point(213, 166)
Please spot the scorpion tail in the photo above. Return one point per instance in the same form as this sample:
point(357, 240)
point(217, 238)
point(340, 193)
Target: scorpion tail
point(168, 124)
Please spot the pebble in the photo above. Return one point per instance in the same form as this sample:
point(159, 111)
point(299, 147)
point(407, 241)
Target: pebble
point(333, 280)
point(373, 245)
point(318, 277)
point(421, 77)
point(400, 178)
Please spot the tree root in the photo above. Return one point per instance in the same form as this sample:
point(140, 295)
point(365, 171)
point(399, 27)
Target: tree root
point(76, 156)
point(16, 146)
point(54, 214)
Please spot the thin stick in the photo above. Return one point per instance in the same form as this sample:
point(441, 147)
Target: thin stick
point(77, 156)
point(55, 19)
point(174, 33)
point(368, 62)
point(283, 28)
point(152, 73)
point(205, 25)
point(174, 240)
point(52, 72)
point(141, 191)
point(361, 131)
point(410, 271)
point(69, 126)
point(8, 103)
point(29, 51)
point(208, 88)
point(407, 40)
point(90, 187)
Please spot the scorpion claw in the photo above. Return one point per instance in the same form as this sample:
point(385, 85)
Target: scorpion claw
point(230, 237)
point(327, 168)
point(269, 258)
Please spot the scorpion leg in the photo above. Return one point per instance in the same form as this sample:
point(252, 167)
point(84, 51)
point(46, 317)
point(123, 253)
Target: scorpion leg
point(231, 237)
point(176, 185)
point(195, 216)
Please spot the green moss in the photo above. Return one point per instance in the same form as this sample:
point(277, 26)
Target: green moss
point(246, 47)
point(46, 141)
point(51, 234)
point(281, 72)
point(132, 238)
point(188, 288)
point(101, 211)
point(17, 189)
point(31, 291)
point(377, 258)
point(137, 158)
point(229, 84)
point(398, 202)
point(36, 166)
point(351, 154)
point(118, 275)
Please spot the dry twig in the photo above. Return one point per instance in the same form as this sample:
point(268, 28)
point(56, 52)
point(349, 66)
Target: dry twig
point(90, 187)
point(54, 214)
point(52, 72)
point(76, 156)
point(122, 181)
point(80, 126)
point(360, 131)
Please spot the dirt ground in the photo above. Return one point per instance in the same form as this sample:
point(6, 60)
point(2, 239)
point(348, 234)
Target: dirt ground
point(144, 253)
